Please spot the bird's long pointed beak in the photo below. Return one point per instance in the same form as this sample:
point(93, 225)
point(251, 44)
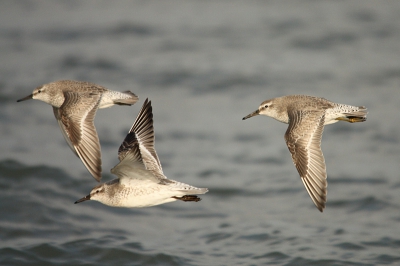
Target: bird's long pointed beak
point(29, 97)
point(257, 112)
point(83, 199)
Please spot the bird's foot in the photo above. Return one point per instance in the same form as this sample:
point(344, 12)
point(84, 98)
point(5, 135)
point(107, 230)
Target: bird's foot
point(188, 198)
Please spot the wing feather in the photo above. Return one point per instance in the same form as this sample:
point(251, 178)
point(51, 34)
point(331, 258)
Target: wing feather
point(137, 150)
point(303, 138)
point(76, 120)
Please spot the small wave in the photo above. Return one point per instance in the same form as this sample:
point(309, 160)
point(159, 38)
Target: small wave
point(369, 203)
point(349, 246)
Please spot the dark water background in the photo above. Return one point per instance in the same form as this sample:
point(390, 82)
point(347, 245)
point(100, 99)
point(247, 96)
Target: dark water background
point(204, 65)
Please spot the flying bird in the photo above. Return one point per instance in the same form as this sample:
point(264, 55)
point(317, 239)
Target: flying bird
point(141, 181)
point(74, 105)
point(307, 116)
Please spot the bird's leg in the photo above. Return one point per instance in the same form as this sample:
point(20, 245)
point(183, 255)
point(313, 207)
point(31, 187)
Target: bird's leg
point(351, 119)
point(188, 198)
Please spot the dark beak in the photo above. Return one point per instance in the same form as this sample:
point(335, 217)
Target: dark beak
point(83, 199)
point(251, 115)
point(25, 98)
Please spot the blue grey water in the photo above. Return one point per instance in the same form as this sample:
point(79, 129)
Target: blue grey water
point(204, 65)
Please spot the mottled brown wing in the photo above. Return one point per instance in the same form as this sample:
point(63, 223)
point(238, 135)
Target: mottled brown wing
point(63, 129)
point(303, 138)
point(76, 120)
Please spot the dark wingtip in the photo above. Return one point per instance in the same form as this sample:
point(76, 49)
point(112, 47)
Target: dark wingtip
point(98, 177)
point(321, 207)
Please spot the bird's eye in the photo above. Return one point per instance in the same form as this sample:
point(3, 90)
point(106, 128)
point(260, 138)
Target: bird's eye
point(39, 91)
point(266, 106)
point(97, 191)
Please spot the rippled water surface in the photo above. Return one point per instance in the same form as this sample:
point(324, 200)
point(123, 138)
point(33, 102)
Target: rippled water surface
point(204, 65)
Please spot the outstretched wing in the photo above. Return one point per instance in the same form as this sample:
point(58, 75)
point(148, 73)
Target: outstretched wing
point(303, 138)
point(76, 120)
point(137, 149)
